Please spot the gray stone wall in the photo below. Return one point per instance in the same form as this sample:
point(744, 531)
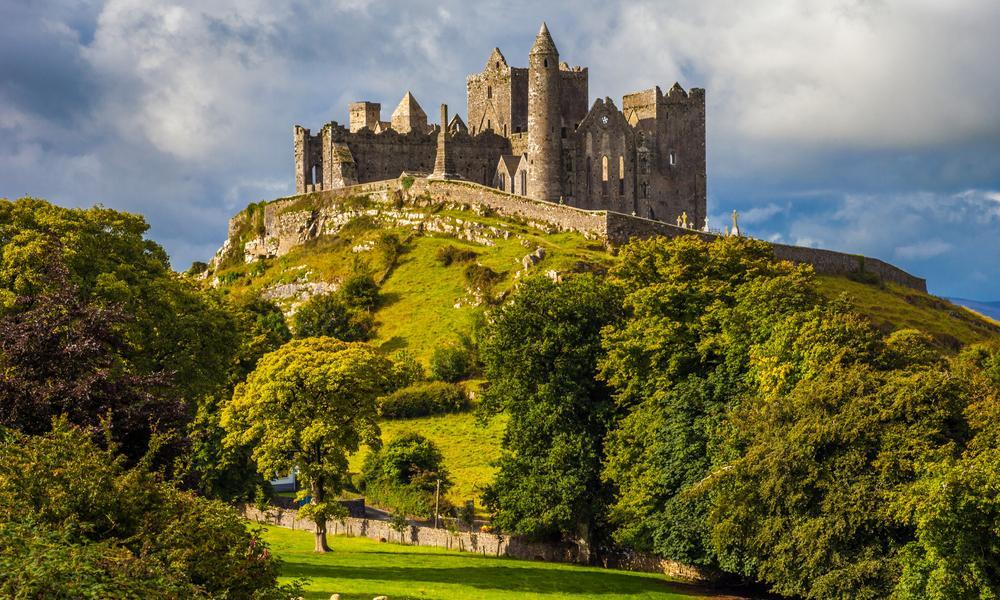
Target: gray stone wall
point(574, 95)
point(488, 544)
point(602, 176)
point(287, 228)
point(498, 97)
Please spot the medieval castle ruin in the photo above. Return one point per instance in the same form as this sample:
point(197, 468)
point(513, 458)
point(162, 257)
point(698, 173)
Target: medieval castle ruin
point(532, 149)
point(532, 132)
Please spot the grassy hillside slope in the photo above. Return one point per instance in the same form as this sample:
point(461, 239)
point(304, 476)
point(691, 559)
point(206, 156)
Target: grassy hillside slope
point(894, 307)
point(425, 303)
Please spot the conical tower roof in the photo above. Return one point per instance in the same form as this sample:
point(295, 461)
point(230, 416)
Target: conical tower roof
point(543, 42)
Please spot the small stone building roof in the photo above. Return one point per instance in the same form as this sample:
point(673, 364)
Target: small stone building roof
point(457, 125)
point(509, 163)
point(408, 115)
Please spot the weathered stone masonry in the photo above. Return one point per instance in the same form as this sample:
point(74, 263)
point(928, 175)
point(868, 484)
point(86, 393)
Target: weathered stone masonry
point(531, 131)
point(480, 543)
point(285, 227)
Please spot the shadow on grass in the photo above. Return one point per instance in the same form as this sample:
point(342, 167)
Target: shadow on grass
point(524, 578)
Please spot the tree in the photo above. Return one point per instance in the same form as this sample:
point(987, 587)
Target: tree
point(211, 467)
point(328, 315)
point(955, 504)
point(677, 364)
point(540, 350)
point(404, 475)
point(64, 354)
point(94, 320)
point(307, 406)
point(360, 291)
point(76, 522)
point(173, 325)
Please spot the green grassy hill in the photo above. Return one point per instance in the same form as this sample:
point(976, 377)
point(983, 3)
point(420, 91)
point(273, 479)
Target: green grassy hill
point(426, 303)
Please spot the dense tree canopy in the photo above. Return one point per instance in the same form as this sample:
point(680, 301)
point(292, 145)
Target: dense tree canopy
point(330, 315)
point(676, 366)
point(95, 325)
point(540, 351)
point(308, 406)
point(75, 522)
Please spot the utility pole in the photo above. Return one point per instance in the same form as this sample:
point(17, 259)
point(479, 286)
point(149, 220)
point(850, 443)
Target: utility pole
point(437, 495)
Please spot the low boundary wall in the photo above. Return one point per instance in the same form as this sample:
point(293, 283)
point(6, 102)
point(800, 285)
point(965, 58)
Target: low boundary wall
point(491, 544)
point(611, 227)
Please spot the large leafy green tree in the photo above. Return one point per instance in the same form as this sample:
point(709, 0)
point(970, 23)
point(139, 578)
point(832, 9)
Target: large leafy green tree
point(677, 364)
point(77, 522)
point(63, 354)
point(173, 326)
point(308, 406)
point(540, 350)
point(95, 322)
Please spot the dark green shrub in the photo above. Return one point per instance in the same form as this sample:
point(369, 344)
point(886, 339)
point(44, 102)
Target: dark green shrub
point(423, 399)
point(406, 369)
point(360, 291)
point(404, 474)
point(76, 522)
point(328, 315)
point(390, 246)
point(446, 255)
point(481, 278)
point(452, 362)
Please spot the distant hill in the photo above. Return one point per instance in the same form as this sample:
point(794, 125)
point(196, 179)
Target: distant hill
point(989, 309)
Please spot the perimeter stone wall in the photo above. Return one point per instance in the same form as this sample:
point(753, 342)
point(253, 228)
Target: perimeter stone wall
point(292, 221)
point(489, 544)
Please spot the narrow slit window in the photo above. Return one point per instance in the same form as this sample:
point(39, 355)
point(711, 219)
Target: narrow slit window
point(589, 182)
point(621, 175)
point(604, 175)
point(673, 158)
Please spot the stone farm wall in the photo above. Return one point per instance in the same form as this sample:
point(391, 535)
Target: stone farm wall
point(490, 544)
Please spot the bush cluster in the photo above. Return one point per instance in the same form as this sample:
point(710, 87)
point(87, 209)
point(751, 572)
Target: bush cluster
point(448, 255)
point(345, 315)
point(481, 278)
point(75, 522)
point(423, 399)
point(403, 476)
point(452, 362)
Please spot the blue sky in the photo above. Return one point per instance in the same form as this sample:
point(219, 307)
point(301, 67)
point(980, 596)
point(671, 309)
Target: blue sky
point(864, 126)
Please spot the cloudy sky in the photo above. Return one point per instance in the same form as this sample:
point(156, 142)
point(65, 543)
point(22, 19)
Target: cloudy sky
point(864, 126)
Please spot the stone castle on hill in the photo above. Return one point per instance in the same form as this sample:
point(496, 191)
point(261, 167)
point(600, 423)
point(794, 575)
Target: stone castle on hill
point(531, 132)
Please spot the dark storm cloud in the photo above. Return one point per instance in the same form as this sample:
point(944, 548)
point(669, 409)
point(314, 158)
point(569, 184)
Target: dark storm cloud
point(864, 126)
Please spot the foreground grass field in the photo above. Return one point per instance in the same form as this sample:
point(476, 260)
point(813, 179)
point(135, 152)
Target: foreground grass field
point(359, 568)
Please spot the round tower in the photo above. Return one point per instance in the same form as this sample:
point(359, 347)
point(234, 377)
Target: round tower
point(544, 120)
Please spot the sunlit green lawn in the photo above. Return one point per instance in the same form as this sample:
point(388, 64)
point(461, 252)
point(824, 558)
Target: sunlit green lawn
point(360, 568)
